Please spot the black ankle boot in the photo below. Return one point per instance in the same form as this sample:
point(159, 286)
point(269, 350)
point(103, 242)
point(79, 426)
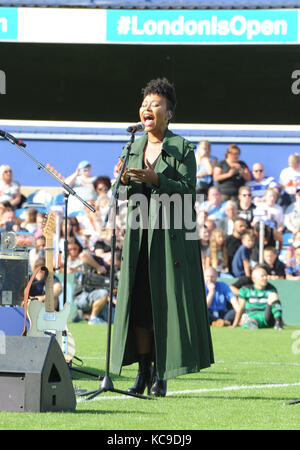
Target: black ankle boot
point(158, 388)
point(143, 376)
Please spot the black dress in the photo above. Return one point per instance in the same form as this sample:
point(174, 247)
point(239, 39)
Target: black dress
point(141, 303)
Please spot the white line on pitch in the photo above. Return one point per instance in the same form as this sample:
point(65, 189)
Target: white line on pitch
point(200, 391)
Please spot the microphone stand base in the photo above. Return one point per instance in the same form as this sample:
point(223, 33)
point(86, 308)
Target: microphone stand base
point(107, 386)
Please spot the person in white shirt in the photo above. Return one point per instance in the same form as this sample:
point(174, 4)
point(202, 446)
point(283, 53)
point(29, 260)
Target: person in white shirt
point(269, 211)
point(260, 183)
point(9, 189)
point(289, 179)
point(292, 214)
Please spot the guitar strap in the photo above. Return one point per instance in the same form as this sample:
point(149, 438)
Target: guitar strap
point(26, 295)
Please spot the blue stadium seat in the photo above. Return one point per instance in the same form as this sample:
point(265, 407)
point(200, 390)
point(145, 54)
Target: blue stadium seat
point(59, 199)
point(287, 238)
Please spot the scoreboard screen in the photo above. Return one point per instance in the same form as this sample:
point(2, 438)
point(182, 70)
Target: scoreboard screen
point(240, 84)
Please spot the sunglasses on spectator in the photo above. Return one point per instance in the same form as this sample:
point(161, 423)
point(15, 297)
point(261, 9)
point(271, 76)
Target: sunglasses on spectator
point(246, 195)
point(258, 170)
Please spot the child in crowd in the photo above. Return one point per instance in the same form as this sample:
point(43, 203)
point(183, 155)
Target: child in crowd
point(218, 258)
point(293, 270)
point(29, 222)
point(204, 236)
point(275, 268)
point(291, 248)
point(241, 263)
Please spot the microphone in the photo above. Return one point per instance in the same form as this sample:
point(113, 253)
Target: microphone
point(11, 138)
point(136, 128)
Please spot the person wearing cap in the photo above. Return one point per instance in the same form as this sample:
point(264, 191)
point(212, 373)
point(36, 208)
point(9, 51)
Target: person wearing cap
point(82, 176)
point(83, 184)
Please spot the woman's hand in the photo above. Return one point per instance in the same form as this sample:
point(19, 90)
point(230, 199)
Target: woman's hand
point(117, 170)
point(144, 175)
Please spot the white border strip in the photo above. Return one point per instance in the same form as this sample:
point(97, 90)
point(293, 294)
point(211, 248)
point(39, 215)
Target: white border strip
point(185, 127)
point(175, 126)
point(125, 138)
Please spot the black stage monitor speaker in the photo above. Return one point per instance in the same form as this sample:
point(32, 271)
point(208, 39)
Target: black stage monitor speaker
point(34, 375)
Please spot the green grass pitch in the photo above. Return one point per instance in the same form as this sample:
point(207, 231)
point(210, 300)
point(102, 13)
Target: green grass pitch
point(255, 374)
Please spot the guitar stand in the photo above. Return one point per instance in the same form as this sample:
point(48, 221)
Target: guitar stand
point(107, 384)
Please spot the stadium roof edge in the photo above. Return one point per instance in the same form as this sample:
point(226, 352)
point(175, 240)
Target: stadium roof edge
point(156, 4)
point(116, 131)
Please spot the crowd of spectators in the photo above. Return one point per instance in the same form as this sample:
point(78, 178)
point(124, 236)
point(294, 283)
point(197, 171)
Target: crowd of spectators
point(233, 200)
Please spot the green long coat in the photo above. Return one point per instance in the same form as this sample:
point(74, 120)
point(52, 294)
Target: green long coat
point(181, 328)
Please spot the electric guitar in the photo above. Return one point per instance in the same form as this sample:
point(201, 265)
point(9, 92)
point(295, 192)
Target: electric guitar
point(44, 320)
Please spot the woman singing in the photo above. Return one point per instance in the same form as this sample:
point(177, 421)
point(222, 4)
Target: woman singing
point(161, 314)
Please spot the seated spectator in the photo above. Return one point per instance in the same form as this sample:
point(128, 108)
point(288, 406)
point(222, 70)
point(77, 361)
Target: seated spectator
point(205, 164)
point(90, 292)
point(260, 183)
point(274, 267)
point(289, 180)
point(102, 185)
point(83, 183)
point(204, 236)
point(40, 223)
point(218, 258)
point(269, 211)
point(103, 251)
point(245, 205)
point(231, 174)
point(233, 241)
point(272, 238)
point(291, 248)
point(9, 189)
point(38, 287)
point(3, 207)
point(293, 269)
point(241, 263)
point(226, 224)
point(260, 302)
point(74, 263)
point(102, 209)
point(37, 252)
point(29, 222)
point(292, 214)
point(214, 206)
point(10, 222)
point(73, 231)
point(221, 302)
point(89, 226)
point(201, 216)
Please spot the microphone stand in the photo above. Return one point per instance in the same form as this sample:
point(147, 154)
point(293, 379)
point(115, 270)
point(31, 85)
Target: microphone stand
point(107, 384)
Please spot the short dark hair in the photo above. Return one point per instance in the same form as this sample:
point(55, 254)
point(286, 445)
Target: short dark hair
point(258, 267)
point(161, 86)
